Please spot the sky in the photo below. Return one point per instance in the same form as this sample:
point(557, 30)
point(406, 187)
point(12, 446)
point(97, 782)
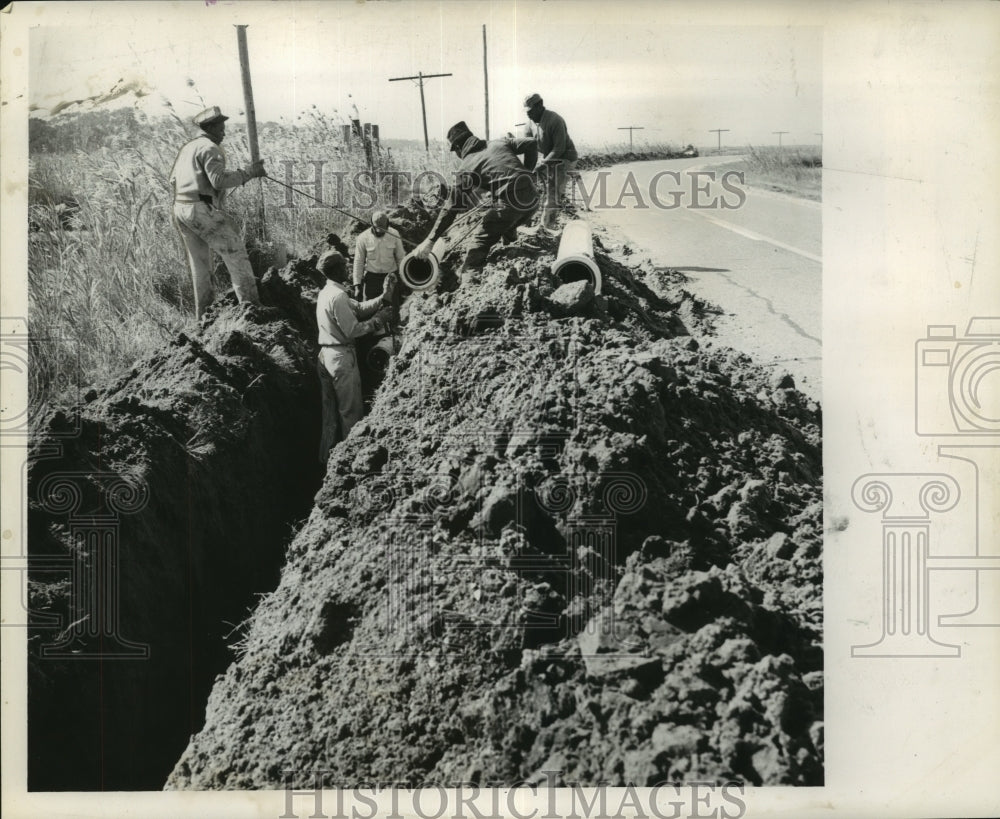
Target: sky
point(602, 66)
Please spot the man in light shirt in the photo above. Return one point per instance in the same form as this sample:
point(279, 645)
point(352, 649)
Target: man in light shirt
point(200, 181)
point(378, 252)
point(341, 320)
point(557, 155)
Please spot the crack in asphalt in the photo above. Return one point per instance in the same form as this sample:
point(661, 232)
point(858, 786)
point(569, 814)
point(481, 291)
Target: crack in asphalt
point(770, 308)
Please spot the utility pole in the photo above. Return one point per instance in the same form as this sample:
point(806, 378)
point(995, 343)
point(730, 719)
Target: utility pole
point(486, 85)
point(423, 108)
point(720, 132)
point(779, 133)
point(630, 129)
point(820, 135)
point(241, 45)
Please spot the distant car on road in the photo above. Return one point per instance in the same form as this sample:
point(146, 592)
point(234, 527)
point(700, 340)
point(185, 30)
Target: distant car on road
point(690, 150)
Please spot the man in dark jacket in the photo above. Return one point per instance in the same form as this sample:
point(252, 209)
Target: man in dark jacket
point(493, 170)
point(558, 155)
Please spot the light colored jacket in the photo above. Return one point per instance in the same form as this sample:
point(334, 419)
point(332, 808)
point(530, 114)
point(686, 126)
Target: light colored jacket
point(377, 254)
point(340, 318)
point(200, 170)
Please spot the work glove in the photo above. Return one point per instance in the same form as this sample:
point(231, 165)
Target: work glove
point(255, 169)
point(389, 288)
point(423, 249)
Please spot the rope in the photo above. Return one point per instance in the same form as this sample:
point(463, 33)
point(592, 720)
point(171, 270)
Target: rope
point(350, 215)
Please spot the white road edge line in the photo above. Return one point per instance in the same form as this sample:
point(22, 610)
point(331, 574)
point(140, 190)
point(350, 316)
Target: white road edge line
point(757, 237)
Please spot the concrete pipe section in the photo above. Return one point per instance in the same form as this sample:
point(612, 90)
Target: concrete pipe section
point(575, 260)
point(378, 356)
point(422, 274)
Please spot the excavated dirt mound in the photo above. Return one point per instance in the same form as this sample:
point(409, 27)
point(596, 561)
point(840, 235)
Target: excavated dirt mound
point(564, 539)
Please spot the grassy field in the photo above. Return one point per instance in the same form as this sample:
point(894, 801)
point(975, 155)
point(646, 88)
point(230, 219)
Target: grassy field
point(793, 169)
point(108, 276)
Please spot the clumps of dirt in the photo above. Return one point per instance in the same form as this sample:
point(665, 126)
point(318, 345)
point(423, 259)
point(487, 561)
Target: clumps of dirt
point(564, 539)
point(194, 464)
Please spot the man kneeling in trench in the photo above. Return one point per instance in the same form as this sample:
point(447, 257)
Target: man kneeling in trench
point(491, 168)
point(341, 320)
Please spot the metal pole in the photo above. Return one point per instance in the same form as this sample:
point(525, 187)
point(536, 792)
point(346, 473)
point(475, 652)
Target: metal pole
point(486, 85)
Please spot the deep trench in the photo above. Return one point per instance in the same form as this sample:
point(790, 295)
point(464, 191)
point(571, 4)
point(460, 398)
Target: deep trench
point(192, 564)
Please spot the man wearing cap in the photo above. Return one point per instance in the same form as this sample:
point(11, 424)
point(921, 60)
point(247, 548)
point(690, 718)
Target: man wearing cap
point(341, 320)
point(200, 180)
point(558, 155)
point(490, 168)
point(378, 252)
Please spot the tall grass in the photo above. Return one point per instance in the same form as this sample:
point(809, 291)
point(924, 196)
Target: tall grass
point(798, 169)
point(108, 278)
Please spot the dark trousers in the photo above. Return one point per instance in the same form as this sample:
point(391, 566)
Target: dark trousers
point(501, 220)
point(371, 285)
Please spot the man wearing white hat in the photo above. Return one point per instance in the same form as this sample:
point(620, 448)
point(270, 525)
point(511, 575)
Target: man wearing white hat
point(200, 180)
point(557, 155)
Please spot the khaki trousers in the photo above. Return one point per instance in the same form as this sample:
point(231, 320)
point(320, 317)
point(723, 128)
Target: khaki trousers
point(203, 229)
point(340, 388)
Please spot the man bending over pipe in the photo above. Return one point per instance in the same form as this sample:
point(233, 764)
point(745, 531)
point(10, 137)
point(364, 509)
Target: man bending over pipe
point(494, 169)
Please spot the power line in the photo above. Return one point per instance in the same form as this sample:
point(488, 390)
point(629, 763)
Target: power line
point(630, 129)
point(423, 108)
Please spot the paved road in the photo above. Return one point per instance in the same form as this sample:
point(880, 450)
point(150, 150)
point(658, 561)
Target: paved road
point(759, 262)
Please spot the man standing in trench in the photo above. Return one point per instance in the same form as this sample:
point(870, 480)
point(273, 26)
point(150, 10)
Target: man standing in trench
point(341, 320)
point(491, 168)
point(558, 155)
point(378, 252)
point(200, 180)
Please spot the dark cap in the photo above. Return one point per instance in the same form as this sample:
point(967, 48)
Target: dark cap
point(532, 100)
point(457, 134)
